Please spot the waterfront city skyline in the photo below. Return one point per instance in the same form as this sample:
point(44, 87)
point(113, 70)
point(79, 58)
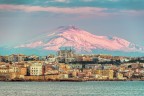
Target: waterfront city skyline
point(55, 47)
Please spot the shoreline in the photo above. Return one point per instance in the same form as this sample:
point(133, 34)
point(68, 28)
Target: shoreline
point(67, 80)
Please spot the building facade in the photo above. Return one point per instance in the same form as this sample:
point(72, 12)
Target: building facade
point(36, 69)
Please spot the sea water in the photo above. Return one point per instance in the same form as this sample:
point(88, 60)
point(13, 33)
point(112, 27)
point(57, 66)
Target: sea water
point(97, 88)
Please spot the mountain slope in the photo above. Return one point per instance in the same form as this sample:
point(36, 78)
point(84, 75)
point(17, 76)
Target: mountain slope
point(82, 41)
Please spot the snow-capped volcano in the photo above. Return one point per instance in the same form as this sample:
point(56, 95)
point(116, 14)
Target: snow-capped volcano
point(81, 40)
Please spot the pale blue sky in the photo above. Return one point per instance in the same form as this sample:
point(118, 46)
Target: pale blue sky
point(21, 20)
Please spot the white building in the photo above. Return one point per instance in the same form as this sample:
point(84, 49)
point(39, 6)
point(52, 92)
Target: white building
point(16, 58)
point(14, 69)
point(76, 66)
point(36, 69)
point(4, 70)
point(92, 66)
point(51, 60)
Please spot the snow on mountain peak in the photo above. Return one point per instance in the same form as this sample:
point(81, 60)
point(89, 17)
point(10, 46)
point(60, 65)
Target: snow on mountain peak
point(82, 40)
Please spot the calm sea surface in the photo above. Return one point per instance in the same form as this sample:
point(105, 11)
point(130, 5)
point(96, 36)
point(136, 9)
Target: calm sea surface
point(99, 88)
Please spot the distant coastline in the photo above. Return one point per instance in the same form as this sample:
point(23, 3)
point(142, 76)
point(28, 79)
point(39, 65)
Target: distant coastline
point(71, 80)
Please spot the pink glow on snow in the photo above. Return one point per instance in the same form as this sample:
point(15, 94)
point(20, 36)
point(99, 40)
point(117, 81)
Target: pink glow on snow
point(82, 41)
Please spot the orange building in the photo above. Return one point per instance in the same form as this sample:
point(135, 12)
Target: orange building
point(23, 71)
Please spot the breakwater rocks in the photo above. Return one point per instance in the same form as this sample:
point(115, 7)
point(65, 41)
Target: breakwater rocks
point(62, 80)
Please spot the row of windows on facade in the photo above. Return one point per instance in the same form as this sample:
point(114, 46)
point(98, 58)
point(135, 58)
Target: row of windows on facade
point(35, 70)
